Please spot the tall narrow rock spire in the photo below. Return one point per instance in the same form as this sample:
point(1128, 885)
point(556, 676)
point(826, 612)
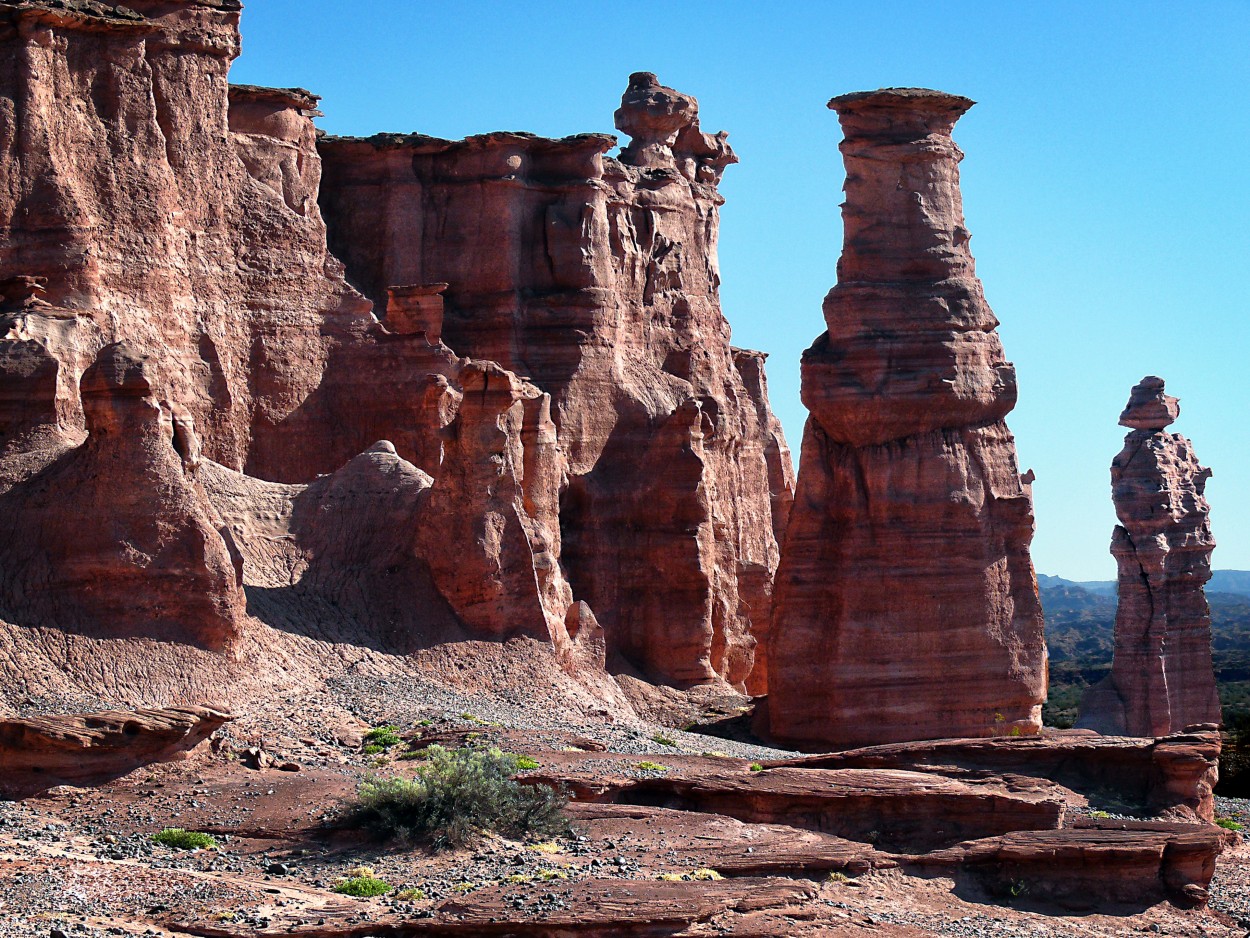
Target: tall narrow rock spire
point(1162, 679)
point(906, 606)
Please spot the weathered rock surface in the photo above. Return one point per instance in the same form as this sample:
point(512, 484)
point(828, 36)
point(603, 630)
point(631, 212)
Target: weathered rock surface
point(1162, 679)
point(599, 283)
point(142, 552)
point(1172, 776)
point(39, 753)
point(630, 455)
point(906, 606)
point(892, 809)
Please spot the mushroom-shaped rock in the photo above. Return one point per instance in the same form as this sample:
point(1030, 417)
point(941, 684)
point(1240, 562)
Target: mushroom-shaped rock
point(1148, 407)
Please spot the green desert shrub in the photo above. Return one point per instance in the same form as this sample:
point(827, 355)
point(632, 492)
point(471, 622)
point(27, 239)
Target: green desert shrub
point(181, 839)
point(382, 737)
point(363, 887)
point(457, 795)
point(1229, 824)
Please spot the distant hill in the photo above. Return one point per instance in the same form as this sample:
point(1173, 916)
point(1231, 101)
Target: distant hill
point(1222, 581)
point(1080, 632)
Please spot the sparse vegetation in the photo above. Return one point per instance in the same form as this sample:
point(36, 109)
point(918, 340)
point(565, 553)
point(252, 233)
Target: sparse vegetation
point(383, 737)
point(525, 763)
point(411, 895)
point(180, 839)
point(703, 874)
point(456, 795)
point(837, 876)
point(364, 886)
point(546, 846)
point(1229, 824)
point(463, 888)
point(663, 740)
point(756, 767)
point(648, 766)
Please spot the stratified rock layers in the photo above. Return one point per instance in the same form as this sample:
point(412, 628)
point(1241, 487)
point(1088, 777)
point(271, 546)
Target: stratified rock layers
point(1162, 679)
point(597, 280)
point(614, 452)
point(906, 606)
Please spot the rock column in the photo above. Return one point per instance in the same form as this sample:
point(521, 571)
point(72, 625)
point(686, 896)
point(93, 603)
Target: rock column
point(906, 606)
point(1162, 679)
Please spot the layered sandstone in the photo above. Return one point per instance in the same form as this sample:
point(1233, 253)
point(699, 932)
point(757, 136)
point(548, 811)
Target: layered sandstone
point(1162, 679)
point(142, 552)
point(906, 606)
point(619, 446)
point(599, 284)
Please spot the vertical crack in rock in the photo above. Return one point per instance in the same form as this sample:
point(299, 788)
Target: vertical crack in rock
point(906, 606)
point(1162, 679)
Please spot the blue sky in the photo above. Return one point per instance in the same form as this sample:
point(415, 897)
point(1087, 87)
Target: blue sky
point(1106, 184)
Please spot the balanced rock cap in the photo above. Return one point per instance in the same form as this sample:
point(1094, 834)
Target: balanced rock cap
point(1148, 407)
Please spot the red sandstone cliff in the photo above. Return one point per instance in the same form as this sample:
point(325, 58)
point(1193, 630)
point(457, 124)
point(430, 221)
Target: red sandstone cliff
point(613, 444)
point(599, 283)
point(1162, 679)
point(906, 606)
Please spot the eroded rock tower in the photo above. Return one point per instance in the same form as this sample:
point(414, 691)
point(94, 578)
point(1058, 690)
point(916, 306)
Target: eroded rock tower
point(906, 605)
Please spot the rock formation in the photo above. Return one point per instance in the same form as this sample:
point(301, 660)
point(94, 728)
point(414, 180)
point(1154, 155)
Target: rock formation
point(906, 606)
point(598, 284)
point(616, 458)
point(87, 749)
point(142, 551)
point(1161, 678)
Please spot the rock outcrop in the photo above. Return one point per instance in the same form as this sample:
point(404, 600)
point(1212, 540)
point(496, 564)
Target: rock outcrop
point(906, 605)
point(141, 552)
point(1162, 679)
point(39, 753)
point(613, 445)
point(599, 284)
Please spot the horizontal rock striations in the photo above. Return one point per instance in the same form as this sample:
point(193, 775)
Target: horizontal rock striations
point(599, 284)
point(178, 342)
point(906, 606)
point(1162, 679)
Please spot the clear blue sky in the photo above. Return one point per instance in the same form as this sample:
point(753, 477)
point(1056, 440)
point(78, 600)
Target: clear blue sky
point(1107, 180)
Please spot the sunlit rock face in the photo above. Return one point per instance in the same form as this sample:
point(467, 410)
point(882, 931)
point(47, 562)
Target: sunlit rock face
point(1162, 679)
point(597, 280)
point(906, 606)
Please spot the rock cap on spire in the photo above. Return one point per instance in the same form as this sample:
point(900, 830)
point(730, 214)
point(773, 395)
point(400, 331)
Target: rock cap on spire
point(1148, 407)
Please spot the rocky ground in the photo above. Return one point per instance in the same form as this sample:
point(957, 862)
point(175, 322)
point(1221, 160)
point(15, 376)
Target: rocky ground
point(270, 786)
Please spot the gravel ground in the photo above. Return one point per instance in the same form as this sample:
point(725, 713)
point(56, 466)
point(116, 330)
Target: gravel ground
point(253, 878)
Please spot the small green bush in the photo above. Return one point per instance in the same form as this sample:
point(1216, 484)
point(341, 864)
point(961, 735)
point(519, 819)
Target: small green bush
point(1100, 815)
point(525, 763)
point(383, 737)
point(457, 795)
point(663, 740)
point(652, 767)
point(411, 895)
point(181, 839)
point(363, 887)
point(756, 767)
point(1229, 824)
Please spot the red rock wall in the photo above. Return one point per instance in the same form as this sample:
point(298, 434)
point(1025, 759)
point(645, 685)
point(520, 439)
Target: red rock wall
point(906, 606)
point(1162, 679)
point(143, 200)
point(597, 279)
